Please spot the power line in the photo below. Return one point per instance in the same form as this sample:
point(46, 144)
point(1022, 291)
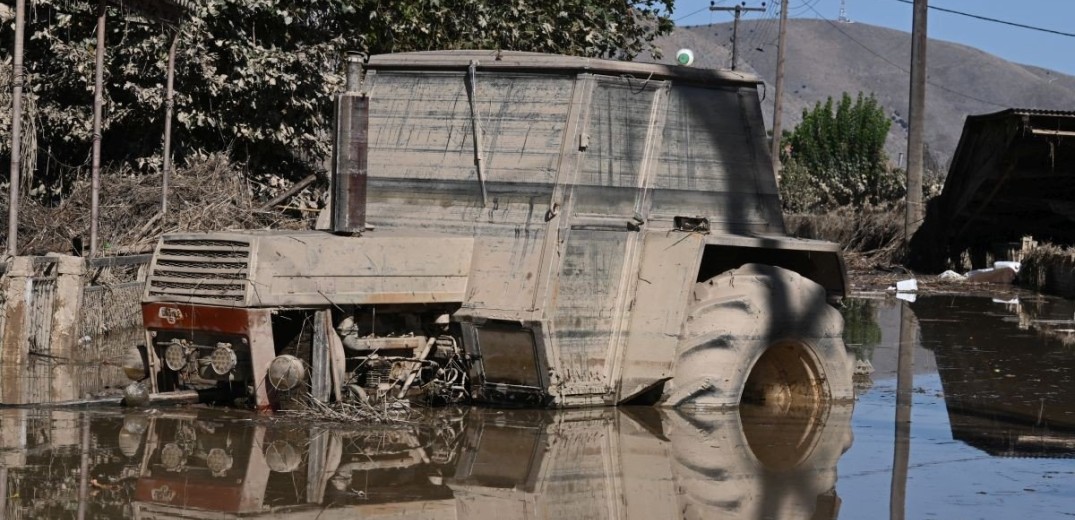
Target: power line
point(901, 68)
point(688, 15)
point(995, 20)
point(706, 8)
point(762, 28)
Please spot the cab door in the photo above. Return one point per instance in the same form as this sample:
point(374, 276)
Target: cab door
point(606, 209)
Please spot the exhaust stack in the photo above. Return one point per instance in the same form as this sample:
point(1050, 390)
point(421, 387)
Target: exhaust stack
point(349, 154)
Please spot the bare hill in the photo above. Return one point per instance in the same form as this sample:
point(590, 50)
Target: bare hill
point(829, 58)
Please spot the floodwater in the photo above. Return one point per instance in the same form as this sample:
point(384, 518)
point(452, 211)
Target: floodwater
point(992, 435)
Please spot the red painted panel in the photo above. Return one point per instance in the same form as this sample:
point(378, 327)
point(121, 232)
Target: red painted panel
point(208, 495)
point(185, 316)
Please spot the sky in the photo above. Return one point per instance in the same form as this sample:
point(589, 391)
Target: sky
point(1016, 44)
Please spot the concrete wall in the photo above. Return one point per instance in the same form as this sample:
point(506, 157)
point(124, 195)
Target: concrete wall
point(62, 330)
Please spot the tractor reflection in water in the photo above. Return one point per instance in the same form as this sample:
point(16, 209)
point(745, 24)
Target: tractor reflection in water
point(603, 463)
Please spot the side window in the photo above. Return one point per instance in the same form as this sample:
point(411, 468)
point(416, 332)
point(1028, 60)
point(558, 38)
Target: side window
point(609, 180)
point(712, 160)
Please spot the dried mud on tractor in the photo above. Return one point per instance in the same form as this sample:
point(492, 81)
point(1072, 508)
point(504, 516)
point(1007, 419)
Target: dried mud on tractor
point(520, 230)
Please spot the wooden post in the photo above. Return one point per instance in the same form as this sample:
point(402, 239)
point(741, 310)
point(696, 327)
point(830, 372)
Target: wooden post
point(321, 364)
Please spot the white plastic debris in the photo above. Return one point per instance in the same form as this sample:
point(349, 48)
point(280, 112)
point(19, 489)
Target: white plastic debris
point(1013, 265)
point(907, 285)
point(951, 276)
point(906, 296)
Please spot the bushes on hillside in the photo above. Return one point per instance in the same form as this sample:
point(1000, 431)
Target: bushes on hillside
point(835, 158)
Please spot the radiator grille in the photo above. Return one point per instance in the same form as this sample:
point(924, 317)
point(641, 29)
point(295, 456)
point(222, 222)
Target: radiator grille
point(203, 270)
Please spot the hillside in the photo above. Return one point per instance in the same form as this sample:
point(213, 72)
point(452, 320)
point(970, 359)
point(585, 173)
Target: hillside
point(825, 59)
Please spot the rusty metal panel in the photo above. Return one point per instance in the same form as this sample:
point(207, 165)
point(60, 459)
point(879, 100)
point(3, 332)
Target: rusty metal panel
point(350, 163)
point(666, 275)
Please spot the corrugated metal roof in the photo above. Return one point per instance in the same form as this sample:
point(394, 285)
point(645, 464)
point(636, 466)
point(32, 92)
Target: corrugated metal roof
point(1022, 112)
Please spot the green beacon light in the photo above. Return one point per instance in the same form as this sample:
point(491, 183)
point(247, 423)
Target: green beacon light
point(685, 57)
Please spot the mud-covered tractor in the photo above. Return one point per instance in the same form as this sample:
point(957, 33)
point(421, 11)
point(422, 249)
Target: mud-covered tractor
point(517, 229)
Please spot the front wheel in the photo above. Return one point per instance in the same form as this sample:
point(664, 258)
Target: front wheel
point(760, 334)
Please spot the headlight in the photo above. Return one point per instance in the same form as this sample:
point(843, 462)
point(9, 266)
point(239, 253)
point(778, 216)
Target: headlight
point(286, 372)
point(282, 457)
point(175, 356)
point(173, 457)
point(218, 461)
point(223, 359)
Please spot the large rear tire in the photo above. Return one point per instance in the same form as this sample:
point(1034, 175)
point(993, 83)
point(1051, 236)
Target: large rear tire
point(760, 334)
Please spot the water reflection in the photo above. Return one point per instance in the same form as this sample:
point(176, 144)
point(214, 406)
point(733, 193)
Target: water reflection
point(469, 463)
point(1005, 368)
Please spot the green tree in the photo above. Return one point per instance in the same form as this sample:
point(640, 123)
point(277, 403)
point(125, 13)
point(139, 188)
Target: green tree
point(255, 77)
point(835, 157)
point(861, 331)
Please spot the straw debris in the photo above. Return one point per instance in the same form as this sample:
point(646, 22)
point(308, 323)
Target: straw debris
point(210, 194)
point(355, 411)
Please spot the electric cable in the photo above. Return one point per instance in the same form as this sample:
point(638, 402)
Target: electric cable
point(994, 20)
point(904, 69)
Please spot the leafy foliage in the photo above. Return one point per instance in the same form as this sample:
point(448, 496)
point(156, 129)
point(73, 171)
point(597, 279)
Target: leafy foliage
point(861, 331)
point(836, 157)
point(255, 77)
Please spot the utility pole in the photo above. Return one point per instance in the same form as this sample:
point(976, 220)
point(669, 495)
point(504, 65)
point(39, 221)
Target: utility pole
point(739, 9)
point(778, 102)
point(18, 77)
point(917, 104)
point(169, 104)
point(98, 107)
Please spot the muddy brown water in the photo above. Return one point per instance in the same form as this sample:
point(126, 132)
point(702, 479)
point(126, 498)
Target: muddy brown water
point(992, 436)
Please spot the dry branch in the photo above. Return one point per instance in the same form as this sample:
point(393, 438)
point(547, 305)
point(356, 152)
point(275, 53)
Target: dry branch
point(209, 195)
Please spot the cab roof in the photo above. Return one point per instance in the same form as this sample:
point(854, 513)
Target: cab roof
point(540, 62)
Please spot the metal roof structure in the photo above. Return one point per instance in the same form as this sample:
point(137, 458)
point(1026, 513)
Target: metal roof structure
point(1013, 175)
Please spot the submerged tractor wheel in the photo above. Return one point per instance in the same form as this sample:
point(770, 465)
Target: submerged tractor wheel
point(761, 334)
